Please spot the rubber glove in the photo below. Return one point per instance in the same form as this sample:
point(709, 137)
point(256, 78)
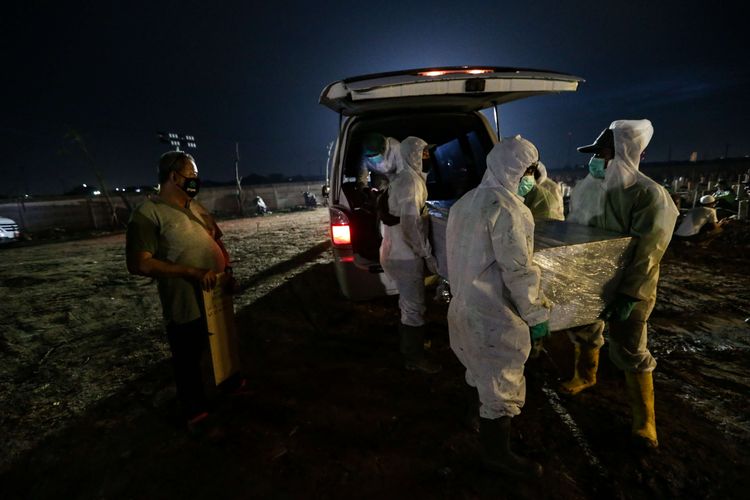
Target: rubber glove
point(539, 331)
point(619, 309)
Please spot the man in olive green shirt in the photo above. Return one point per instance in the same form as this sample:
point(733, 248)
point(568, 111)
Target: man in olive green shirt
point(174, 239)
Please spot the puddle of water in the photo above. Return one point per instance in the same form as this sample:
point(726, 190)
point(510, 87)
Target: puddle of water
point(718, 411)
point(708, 336)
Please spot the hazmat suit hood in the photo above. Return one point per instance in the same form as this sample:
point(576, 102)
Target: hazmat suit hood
point(507, 162)
point(391, 157)
point(545, 200)
point(631, 138)
point(542, 173)
point(411, 155)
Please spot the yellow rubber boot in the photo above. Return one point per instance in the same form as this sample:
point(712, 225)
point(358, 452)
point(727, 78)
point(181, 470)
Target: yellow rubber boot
point(641, 395)
point(584, 374)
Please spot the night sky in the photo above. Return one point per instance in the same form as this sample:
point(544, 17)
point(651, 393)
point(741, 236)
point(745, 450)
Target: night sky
point(252, 72)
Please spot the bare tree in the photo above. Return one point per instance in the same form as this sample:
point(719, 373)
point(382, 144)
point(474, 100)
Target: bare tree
point(74, 137)
point(237, 176)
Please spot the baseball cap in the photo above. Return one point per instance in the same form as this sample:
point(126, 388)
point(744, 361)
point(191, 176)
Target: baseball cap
point(605, 140)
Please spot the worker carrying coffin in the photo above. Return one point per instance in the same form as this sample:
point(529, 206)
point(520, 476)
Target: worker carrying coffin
point(542, 195)
point(498, 307)
point(617, 197)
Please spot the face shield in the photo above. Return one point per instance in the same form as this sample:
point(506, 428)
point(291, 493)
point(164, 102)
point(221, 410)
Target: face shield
point(374, 150)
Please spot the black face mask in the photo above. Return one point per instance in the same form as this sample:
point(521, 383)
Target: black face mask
point(191, 185)
point(426, 165)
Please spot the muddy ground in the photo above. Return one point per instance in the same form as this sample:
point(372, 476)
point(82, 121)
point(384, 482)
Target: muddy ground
point(88, 405)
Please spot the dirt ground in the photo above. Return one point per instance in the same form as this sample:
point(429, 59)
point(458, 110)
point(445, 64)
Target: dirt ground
point(89, 406)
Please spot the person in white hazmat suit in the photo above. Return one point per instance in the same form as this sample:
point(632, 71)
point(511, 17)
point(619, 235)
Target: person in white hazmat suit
point(701, 224)
point(626, 201)
point(498, 307)
point(406, 250)
point(381, 155)
point(544, 197)
point(585, 199)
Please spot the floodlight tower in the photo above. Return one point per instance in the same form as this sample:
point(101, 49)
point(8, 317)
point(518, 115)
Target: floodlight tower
point(177, 140)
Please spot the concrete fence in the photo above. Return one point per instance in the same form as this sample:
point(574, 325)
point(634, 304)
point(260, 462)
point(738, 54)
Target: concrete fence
point(81, 214)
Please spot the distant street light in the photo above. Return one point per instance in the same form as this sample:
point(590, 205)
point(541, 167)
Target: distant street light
point(177, 140)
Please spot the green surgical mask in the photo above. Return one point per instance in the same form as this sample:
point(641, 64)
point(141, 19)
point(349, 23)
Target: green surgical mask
point(596, 167)
point(526, 185)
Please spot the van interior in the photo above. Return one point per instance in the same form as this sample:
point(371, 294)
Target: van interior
point(461, 144)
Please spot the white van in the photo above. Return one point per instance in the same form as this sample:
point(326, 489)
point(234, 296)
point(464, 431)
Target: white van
point(441, 106)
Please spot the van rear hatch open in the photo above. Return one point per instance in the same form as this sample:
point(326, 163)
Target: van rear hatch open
point(461, 88)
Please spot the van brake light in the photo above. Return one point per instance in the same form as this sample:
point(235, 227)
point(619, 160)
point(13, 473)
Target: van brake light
point(463, 71)
point(340, 230)
point(341, 235)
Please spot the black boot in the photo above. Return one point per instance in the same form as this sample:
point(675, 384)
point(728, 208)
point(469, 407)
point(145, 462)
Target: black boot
point(496, 453)
point(412, 348)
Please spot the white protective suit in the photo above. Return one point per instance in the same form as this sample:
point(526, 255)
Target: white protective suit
point(406, 246)
point(628, 202)
point(695, 220)
point(495, 285)
point(586, 200)
point(376, 175)
point(546, 200)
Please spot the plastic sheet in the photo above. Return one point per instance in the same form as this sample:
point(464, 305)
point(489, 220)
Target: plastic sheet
point(581, 266)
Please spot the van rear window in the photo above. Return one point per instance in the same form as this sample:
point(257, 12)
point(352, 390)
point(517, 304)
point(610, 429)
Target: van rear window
point(461, 144)
point(458, 166)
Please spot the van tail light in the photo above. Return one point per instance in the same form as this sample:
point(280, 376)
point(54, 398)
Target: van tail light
point(340, 230)
point(341, 235)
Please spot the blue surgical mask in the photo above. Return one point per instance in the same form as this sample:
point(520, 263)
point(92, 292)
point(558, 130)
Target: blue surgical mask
point(375, 160)
point(596, 167)
point(526, 185)
point(378, 164)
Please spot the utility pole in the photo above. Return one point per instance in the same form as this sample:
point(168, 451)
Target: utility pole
point(25, 177)
point(237, 175)
point(326, 191)
point(329, 149)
